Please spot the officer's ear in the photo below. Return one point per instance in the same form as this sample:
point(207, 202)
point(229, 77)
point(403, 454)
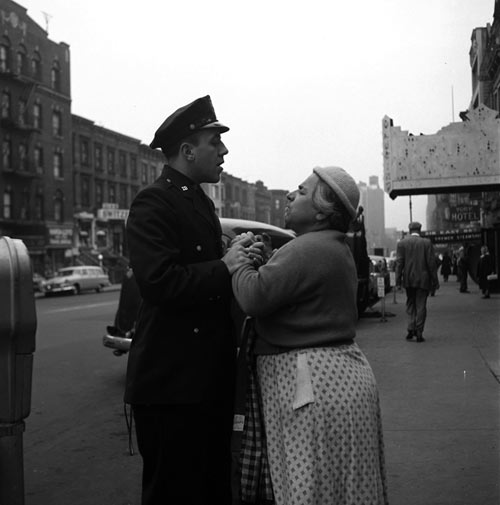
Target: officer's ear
point(186, 150)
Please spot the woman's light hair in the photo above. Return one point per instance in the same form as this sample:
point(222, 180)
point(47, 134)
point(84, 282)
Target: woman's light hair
point(328, 203)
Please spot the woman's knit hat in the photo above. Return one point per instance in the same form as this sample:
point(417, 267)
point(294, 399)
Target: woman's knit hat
point(343, 184)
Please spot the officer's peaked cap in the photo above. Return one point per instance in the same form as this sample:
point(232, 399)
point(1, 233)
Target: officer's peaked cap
point(194, 116)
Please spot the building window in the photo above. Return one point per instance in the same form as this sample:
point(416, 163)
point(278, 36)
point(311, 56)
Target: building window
point(84, 151)
point(22, 113)
point(25, 205)
point(56, 123)
point(39, 207)
point(4, 54)
point(36, 66)
point(38, 158)
point(21, 60)
point(5, 106)
point(277, 204)
point(98, 194)
point(144, 173)
point(23, 157)
point(111, 193)
point(55, 76)
point(85, 191)
point(58, 166)
point(122, 163)
point(6, 153)
point(98, 157)
point(133, 167)
point(58, 207)
point(152, 174)
point(111, 160)
point(134, 190)
point(37, 116)
point(123, 203)
point(7, 203)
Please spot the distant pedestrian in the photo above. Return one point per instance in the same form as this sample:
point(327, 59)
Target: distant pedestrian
point(462, 270)
point(484, 268)
point(416, 271)
point(446, 264)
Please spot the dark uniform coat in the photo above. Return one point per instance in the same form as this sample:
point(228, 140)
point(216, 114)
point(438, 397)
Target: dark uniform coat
point(183, 351)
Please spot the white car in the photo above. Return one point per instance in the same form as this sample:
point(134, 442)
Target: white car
point(75, 280)
point(119, 336)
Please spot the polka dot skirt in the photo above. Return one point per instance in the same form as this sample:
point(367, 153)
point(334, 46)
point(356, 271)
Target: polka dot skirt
point(323, 427)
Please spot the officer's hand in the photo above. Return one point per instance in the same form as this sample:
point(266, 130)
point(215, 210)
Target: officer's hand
point(236, 256)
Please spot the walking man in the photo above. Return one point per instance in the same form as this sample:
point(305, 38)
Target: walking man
point(416, 271)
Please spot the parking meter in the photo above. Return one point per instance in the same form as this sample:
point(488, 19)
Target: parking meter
point(17, 345)
point(17, 330)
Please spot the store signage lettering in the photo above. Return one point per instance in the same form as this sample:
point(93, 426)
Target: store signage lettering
point(464, 213)
point(60, 236)
point(114, 214)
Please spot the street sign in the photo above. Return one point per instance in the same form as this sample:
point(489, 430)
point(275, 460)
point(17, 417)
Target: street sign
point(380, 287)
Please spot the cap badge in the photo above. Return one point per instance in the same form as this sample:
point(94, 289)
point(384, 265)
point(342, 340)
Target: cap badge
point(184, 188)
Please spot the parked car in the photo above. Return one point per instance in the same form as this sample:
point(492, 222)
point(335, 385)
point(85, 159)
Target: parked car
point(119, 336)
point(38, 281)
point(75, 280)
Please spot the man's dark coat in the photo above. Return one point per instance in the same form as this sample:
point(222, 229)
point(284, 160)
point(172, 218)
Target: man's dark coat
point(183, 351)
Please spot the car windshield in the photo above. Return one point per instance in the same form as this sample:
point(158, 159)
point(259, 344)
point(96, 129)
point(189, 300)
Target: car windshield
point(64, 273)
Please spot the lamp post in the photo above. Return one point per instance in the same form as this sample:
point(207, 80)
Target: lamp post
point(99, 257)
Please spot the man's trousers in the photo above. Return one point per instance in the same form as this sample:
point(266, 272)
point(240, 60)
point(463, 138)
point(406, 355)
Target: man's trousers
point(416, 309)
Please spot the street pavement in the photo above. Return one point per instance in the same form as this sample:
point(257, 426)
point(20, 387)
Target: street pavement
point(439, 398)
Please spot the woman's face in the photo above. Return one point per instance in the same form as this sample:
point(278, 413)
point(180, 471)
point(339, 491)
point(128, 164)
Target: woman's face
point(300, 214)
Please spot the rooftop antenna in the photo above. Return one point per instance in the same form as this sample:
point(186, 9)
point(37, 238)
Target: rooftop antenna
point(47, 17)
point(452, 106)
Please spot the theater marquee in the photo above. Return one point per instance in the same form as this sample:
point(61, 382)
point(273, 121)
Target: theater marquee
point(461, 157)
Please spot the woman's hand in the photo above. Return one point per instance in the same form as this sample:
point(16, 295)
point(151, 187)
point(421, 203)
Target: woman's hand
point(244, 250)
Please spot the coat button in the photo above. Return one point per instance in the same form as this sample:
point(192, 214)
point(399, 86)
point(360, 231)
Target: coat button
point(196, 330)
point(198, 248)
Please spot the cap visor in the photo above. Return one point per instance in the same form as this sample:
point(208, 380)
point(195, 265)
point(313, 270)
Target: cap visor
point(223, 128)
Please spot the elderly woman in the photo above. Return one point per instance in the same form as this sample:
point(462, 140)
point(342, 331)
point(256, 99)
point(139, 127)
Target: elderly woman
point(318, 394)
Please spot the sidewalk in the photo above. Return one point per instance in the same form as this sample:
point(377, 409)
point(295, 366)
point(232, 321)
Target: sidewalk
point(439, 398)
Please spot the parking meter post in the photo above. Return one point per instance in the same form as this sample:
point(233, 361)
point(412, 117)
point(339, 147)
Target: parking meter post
point(17, 345)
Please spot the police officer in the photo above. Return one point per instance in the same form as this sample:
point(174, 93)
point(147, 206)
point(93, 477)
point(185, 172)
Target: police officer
point(180, 374)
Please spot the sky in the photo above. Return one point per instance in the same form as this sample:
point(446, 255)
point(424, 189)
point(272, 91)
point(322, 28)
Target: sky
point(301, 84)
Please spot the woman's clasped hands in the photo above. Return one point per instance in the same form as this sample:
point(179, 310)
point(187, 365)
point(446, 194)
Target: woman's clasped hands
point(244, 249)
